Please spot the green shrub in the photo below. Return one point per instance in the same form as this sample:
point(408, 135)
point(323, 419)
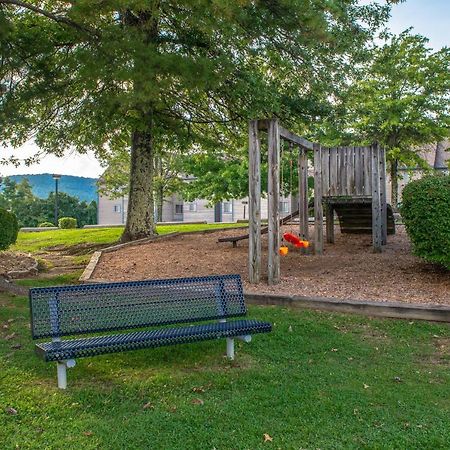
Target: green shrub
point(46, 225)
point(426, 213)
point(67, 222)
point(9, 228)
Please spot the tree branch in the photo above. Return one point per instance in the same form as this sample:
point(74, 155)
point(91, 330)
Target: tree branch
point(59, 19)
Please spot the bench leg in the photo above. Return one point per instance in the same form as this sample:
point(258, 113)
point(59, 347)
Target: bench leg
point(230, 348)
point(61, 369)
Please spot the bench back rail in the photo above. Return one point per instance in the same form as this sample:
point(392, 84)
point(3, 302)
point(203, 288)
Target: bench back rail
point(91, 308)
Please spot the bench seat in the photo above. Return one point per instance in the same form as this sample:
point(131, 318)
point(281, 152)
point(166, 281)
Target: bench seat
point(91, 346)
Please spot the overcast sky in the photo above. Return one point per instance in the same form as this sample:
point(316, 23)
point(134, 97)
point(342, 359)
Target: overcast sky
point(430, 18)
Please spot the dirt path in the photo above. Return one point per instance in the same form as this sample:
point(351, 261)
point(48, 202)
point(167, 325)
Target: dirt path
point(348, 269)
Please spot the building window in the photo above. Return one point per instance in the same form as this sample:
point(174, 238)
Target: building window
point(117, 208)
point(178, 209)
point(227, 207)
point(192, 206)
point(284, 207)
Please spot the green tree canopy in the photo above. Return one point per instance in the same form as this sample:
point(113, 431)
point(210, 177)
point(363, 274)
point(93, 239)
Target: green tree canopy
point(402, 101)
point(109, 75)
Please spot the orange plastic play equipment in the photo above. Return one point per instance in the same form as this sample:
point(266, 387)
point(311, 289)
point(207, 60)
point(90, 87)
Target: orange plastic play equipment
point(295, 240)
point(283, 250)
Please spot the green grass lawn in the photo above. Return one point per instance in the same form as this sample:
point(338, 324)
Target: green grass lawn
point(319, 380)
point(35, 242)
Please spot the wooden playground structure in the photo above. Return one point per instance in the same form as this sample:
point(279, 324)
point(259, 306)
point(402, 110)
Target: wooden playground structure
point(350, 181)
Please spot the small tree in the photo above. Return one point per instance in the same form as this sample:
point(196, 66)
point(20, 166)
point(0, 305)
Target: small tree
point(402, 100)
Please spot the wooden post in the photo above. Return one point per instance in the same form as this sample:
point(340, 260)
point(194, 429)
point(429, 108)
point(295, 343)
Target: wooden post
point(329, 211)
point(318, 212)
point(383, 201)
point(303, 193)
point(273, 269)
point(254, 202)
point(376, 200)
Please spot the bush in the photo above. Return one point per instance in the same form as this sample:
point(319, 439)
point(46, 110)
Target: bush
point(9, 228)
point(67, 222)
point(426, 212)
point(46, 225)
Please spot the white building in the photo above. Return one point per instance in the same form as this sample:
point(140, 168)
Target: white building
point(175, 209)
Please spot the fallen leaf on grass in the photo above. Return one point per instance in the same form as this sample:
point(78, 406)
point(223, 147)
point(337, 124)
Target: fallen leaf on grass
point(197, 401)
point(10, 336)
point(148, 405)
point(334, 349)
point(11, 411)
point(366, 386)
point(10, 320)
point(198, 389)
point(267, 437)
point(88, 433)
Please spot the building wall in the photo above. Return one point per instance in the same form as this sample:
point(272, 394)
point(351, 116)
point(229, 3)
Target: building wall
point(112, 211)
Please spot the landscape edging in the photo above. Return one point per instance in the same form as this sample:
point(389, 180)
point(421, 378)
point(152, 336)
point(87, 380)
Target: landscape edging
point(398, 310)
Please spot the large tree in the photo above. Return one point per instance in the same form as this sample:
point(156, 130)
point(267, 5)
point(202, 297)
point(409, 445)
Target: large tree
point(104, 75)
point(401, 101)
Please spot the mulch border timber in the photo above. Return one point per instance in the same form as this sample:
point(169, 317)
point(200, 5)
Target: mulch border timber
point(398, 310)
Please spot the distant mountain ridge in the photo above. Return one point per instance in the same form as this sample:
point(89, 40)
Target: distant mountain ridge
point(42, 184)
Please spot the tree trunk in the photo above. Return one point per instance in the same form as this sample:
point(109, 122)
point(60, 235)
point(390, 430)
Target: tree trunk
point(140, 218)
point(439, 156)
point(159, 203)
point(394, 184)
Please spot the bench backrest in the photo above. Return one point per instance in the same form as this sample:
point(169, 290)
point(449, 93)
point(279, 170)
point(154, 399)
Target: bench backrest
point(89, 308)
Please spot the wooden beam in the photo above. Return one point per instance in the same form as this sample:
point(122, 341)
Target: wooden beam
point(383, 201)
point(303, 193)
point(273, 272)
point(318, 211)
point(254, 203)
point(376, 200)
point(263, 124)
point(291, 137)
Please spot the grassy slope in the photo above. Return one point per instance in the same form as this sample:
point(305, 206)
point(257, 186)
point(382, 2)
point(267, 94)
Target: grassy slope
point(328, 383)
point(34, 242)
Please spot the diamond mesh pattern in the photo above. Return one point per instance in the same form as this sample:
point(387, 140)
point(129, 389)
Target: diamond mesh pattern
point(78, 348)
point(89, 308)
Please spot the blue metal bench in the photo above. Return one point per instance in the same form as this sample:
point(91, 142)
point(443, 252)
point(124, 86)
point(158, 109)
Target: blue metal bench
point(93, 308)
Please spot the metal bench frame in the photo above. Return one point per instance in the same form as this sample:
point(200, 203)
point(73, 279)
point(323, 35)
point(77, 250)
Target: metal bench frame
point(105, 307)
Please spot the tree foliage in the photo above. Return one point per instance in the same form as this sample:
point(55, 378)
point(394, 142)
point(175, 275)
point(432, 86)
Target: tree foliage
point(132, 73)
point(401, 100)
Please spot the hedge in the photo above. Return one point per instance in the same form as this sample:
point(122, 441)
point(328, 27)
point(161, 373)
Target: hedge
point(9, 228)
point(46, 225)
point(426, 212)
point(67, 222)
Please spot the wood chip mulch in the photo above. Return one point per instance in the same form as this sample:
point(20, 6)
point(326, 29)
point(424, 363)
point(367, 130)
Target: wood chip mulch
point(348, 269)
